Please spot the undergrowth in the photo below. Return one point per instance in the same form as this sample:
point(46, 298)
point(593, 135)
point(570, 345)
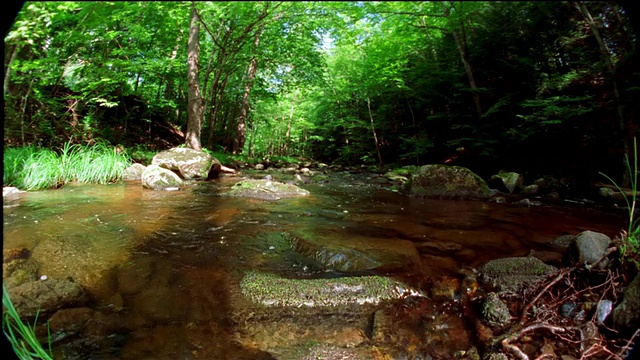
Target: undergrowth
point(32, 168)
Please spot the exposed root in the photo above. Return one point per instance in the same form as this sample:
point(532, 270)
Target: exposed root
point(580, 333)
point(506, 342)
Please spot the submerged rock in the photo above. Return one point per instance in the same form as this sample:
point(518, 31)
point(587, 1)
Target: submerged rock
point(442, 181)
point(266, 189)
point(514, 273)
point(358, 253)
point(46, 297)
point(271, 290)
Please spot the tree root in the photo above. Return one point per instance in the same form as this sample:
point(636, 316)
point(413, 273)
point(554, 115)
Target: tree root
point(506, 342)
point(582, 335)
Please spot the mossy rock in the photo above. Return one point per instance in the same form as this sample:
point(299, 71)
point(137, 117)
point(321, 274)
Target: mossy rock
point(157, 178)
point(442, 181)
point(189, 163)
point(266, 189)
point(271, 290)
point(514, 273)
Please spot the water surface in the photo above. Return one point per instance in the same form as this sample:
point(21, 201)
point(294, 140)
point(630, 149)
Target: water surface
point(167, 265)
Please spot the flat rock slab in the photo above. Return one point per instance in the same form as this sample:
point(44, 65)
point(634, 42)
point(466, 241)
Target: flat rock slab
point(271, 290)
point(514, 273)
point(266, 189)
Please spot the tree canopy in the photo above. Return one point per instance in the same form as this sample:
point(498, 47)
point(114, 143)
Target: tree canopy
point(537, 87)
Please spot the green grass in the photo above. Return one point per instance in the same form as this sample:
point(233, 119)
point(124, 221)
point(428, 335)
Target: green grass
point(14, 159)
point(31, 168)
point(630, 239)
point(22, 336)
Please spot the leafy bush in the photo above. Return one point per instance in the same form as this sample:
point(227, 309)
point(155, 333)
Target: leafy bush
point(14, 159)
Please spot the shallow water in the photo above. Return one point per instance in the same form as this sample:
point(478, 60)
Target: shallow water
point(167, 265)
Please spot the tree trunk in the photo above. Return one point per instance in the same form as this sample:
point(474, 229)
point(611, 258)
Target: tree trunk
point(215, 104)
point(241, 131)
point(605, 53)
point(7, 71)
point(287, 135)
point(463, 48)
point(195, 108)
point(373, 130)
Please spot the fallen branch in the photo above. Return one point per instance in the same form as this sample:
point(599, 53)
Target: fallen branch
point(227, 170)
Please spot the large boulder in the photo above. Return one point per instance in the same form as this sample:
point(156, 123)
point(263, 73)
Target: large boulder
point(189, 163)
point(157, 178)
point(355, 254)
point(514, 273)
point(442, 181)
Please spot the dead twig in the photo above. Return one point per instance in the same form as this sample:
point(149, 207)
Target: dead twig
point(627, 346)
point(605, 256)
point(506, 342)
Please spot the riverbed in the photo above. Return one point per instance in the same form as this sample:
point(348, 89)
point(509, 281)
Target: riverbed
point(166, 266)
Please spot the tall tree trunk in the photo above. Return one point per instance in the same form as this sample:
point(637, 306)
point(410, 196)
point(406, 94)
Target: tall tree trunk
point(7, 70)
point(463, 47)
point(287, 135)
point(373, 130)
point(605, 53)
point(216, 104)
point(195, 108)
point(241, 131)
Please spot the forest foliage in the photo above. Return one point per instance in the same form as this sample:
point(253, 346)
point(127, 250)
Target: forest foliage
point(536, 87)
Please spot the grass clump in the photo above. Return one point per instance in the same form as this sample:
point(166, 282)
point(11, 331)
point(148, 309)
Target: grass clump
point(630, 239)
point(22, 336)
point(14, 159)
point(32, 168)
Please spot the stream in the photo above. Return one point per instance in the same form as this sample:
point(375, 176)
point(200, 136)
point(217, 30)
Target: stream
point(163, 268)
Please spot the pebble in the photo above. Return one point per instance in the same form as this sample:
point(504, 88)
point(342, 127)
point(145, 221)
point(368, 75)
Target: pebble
point(604, 309)
point(568, 309)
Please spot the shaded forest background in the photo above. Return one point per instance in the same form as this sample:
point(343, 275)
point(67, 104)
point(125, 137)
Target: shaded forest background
point(542, 88)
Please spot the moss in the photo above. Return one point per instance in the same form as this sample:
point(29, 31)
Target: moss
point(268, 289)
point(266, 189)
point(514, 273)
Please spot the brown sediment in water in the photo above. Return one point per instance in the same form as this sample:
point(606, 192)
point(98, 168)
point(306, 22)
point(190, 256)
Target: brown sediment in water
point(170, 264)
